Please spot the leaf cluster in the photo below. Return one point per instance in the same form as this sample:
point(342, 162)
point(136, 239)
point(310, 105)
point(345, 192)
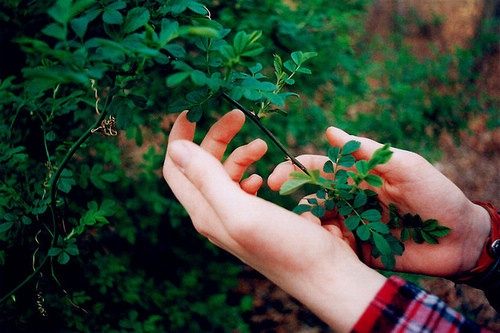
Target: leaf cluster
point(341, 193)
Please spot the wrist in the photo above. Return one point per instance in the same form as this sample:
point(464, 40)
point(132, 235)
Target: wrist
point(476, 236)
point(341, 297)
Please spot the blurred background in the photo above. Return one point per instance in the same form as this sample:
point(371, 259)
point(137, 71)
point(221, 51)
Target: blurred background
point(421, 75)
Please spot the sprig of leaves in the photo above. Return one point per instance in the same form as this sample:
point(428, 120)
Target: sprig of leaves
point(360, 209)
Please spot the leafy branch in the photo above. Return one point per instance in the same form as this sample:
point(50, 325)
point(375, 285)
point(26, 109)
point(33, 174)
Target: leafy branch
point(359, 208)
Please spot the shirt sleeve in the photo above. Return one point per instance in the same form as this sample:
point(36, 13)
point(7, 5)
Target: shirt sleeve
point(401, 306)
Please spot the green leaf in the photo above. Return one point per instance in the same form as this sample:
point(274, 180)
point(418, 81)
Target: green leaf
point(363, 233)
point(177, 78)
point(292, 185)
point(54, 251)
point(352, 222)
point(429, 238)
point(136, 18)
point(380, 156)
point(55, 30)
point(389, 262)
point(6, 226)
point(371, 215)
point(318, 211)
point(329, 167)
point(379, 227)
point(198, 77)
point(63, 258)
point(350, 147)
point(203, 31)
point(301, 209)
point(362, 167)
point(194, 115)
point(346, 161)
point(440, 231)
point(73, 250)
point(344, 209)
point(417, 236)
point(329, 205)
point(381, 244)
point(360, 200)
point(374, 180)
point(405, 234)
point(333, 153)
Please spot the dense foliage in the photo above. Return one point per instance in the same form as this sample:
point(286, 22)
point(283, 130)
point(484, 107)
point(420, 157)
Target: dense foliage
point(91, 238)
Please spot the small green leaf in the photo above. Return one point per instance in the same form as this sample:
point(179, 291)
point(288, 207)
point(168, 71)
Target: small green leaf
point(318, 211)
point(405, 234)
point(6, 226)
point(333, 153)
point(136, 18)
point(346, 161)
point(371, 215)
point(440, 231)
point(73, 250)
point(329, 205)
point(379, 227)
point(292, 185)
point(381, 244)
point(374, 180)
point(362, 167)
point(429, 238)
point(301, 209)
point(328, 167)
point(363, 233)
point(54, 251)
point(380, 156)
point(63, 258)
point(350, 147)
point(360, 200)
point(352, 222)
point(417, 236)
point(177, 78)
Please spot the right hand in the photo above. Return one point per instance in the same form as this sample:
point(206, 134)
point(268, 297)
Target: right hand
point(416, 187)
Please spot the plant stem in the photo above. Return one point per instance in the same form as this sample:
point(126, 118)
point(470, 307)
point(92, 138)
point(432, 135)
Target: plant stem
point(271, 136)
point(53, 186)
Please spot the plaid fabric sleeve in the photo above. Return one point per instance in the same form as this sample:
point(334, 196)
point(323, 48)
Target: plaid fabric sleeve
point(401, 306)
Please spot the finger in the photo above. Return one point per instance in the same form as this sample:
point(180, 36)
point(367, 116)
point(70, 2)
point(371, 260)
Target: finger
point(282, 172)
point(239, 160)
point(222, 132)
point(182, 129)
point(252, 184)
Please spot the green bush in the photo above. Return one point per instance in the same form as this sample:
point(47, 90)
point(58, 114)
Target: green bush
point(91, 238)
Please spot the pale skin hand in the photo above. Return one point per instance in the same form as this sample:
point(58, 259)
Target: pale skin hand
point(414, 186)
point(312, 264)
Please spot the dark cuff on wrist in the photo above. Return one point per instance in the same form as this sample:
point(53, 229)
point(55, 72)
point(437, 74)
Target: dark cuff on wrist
point(486, 274)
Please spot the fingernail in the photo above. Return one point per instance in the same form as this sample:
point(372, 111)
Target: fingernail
point(180, 153)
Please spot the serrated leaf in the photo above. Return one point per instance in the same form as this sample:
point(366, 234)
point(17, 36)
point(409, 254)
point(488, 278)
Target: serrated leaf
point(429, 238)
point(73, 250)
point(350, 147)
point(381, 244)
point(329, 167)
point(380, 156)
point(352, 222)
point(362, 167)
point(292, 185)
point(344, 210)
point(346, 161)
point(333, 153)
point(440, 231)
point(301, 209)
point(430, 224)
point(371, 215)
